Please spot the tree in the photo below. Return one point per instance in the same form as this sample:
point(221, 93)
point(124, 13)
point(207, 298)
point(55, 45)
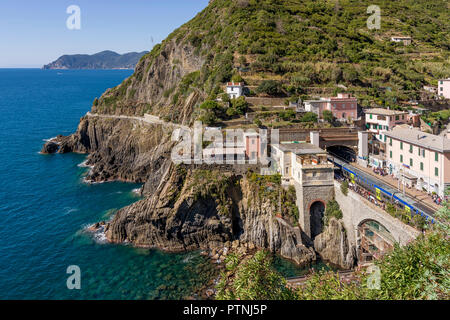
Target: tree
point(287, 115)
point(209, 117)
point(255, 279)
point(309, 117)
point(327, 115)
point(237, 78)
point(270, 87)
point(209, 105)
point(240, 105)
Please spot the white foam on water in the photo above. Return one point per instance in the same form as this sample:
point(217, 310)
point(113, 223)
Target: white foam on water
point(84, 165)
point(48, 140)
point(137, 191)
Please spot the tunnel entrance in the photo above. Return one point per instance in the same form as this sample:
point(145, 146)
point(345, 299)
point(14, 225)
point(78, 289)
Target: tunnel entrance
point(343, 152)
point(316, 212)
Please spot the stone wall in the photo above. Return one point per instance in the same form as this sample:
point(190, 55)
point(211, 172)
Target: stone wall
point(357, 209)
point(306, 196)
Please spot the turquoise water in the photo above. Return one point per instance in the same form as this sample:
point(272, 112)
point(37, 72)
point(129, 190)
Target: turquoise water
point(45, 206)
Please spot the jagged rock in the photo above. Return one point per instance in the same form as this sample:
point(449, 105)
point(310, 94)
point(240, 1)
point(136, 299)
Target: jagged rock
point(50, 147)
point(333, 245)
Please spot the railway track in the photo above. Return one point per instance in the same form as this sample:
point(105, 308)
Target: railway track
point(388, 189)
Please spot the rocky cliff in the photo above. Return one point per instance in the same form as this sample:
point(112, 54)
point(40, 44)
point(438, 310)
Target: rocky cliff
point(333, 246)
point(201, 209)
point(119, 149)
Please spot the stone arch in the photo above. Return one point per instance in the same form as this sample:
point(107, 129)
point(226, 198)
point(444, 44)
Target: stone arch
point(436, 188)
point(316, 211)
point(374, 240)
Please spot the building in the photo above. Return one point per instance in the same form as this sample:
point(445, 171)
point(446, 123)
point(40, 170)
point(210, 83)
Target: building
point(379, 121)
point(343, 107)
point(235, 90)
point(430, 89)
point(419, 159)
point(406, 40)
point(444, 88)
point(306, 167)
point(252, 144)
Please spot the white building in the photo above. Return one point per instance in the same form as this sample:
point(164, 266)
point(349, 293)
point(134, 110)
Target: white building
point(444, 88)
point(419, 159)
point(235, 90)
point(379, 121)
point(406, 40)
point(300, 162)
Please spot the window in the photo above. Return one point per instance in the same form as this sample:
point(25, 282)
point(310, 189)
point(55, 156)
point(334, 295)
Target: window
point(390, 154)
point(418, 151)
point(421, 166)
point(384, 138)
point(390, 142)
point(423, 153)
point(442, 88)
point(436, 172)
point(401, 158)
point(436, 156)
point(411, 162)
point(370, 116)
point(411, 148)
point(442, 82)
point(401, 145)
point(396, 117)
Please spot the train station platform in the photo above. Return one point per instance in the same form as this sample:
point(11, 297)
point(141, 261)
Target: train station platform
point(417, 195)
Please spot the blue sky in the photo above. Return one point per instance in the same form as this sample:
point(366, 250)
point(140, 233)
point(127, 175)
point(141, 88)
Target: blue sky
point(33, 33)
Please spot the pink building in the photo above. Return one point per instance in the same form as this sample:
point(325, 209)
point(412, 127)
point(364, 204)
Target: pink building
point(343, 107)
point(444, 88)
point(252, 145)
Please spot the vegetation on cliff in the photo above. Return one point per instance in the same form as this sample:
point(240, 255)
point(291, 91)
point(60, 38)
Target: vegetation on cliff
point(419, 270)
point(286, 47)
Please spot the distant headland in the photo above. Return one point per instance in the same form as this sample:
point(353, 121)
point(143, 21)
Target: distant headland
point(102, 60)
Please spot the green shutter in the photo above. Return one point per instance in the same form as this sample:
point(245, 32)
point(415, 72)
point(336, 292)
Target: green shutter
point(436, 156)
point(401, 145)
point(421, 166)
point(401, 158)
point(436, 172)
point(410, 162)
point(390, 154)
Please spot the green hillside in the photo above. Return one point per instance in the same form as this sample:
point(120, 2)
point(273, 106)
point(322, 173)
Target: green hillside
point(311, 46)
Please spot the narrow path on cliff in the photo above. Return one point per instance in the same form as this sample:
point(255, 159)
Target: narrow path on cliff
point(147, 119)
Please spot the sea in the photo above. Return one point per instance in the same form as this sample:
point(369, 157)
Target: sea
point(46, 207)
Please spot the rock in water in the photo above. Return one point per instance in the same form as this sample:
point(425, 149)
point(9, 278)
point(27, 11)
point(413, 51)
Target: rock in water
point(50, 147)
point(332, 245)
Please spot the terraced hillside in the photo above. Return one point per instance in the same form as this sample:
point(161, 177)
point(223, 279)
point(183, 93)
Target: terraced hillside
point(304, 45)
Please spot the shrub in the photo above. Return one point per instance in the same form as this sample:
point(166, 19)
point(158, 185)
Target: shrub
point(332, 211)
point(344, 187)
point(269, 87)
point(309, 117)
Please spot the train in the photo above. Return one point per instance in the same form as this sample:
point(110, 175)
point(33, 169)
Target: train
point(382, 191)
